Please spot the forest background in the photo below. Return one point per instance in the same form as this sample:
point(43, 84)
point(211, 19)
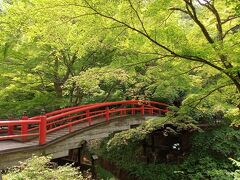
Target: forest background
point(61, 53)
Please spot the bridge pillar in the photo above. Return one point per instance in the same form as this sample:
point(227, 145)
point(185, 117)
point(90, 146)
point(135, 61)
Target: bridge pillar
point(42, 130)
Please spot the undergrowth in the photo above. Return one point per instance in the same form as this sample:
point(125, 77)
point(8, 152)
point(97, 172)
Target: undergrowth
point(208, 158)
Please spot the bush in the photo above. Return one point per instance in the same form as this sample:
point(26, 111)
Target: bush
point(236, 174)
point(208, 158)
point(40, 168)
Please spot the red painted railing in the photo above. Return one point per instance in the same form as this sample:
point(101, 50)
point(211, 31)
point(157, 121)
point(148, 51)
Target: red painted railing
point(88, 115)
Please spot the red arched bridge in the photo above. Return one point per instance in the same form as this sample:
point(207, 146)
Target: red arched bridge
point(27, 129)
point(59, 132)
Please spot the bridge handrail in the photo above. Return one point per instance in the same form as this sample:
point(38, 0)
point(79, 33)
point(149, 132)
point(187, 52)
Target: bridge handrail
point(24, 129)
point(68, 117)
point(57, 119)
point(99, 105)
point(66, 110)
point(18, 122)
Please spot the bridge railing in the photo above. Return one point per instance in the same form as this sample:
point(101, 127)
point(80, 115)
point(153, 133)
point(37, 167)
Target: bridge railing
point(85, 115)
point(19, 129)
point(102, 110)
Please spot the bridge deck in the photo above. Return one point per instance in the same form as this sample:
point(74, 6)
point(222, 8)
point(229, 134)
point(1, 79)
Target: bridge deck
point(10, 144)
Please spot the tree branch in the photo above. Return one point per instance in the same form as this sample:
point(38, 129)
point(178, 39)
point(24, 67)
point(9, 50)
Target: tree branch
point(186, 72)
point(230, 18)
point(208, 94)
point(192, 58)
point(150, 60)
point(138, 16)
point(178, 9)
point(213, 9)
point(231, 29)
point(192, 13)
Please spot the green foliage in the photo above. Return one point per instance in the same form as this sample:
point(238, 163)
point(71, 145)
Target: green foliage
point(208, 157)
point(51, 49)
point(136, 135)
point(103, 174)
point(38, 168)
point(102, 82)
point(236, 174)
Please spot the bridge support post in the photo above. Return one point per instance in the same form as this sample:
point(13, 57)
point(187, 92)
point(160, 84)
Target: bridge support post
point(10, 130)
point(42, 130)
point(89, 118)
point(124, 110)
point(133, 111)
point(160, 112)
point(107, 113)
point(24, 127)
point(70, 128)
point(24, 130)
point(142, 110)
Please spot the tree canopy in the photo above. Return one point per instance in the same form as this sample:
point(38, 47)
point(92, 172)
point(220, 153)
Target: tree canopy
point(58, 53)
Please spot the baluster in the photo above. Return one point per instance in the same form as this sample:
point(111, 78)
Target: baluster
point(142, 110)
point(42, 130)
point(70, 128)
point(24, 131)
point(107, 114)
point(89, 119)
point(10, 129)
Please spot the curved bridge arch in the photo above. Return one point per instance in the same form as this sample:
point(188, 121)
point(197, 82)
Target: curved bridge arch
point(82, 116)
point(59, 131)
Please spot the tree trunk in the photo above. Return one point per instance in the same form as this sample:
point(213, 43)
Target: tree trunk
point(58, 89)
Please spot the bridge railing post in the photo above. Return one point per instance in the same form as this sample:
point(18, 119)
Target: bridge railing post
point(107, 114)
point(142, 110)
point(124, 110)
point(133, 111)
point(89, 119)
point(42, 130)
point(151, 111)
point(70, 128)
point(24, 128)
point(160, 112)
point(10, 130)
point(24, 131)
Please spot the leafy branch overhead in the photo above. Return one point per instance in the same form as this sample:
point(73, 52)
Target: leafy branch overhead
point(63, 53)
point(224, 62)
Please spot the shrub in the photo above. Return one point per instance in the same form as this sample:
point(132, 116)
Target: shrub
point(40, 168)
